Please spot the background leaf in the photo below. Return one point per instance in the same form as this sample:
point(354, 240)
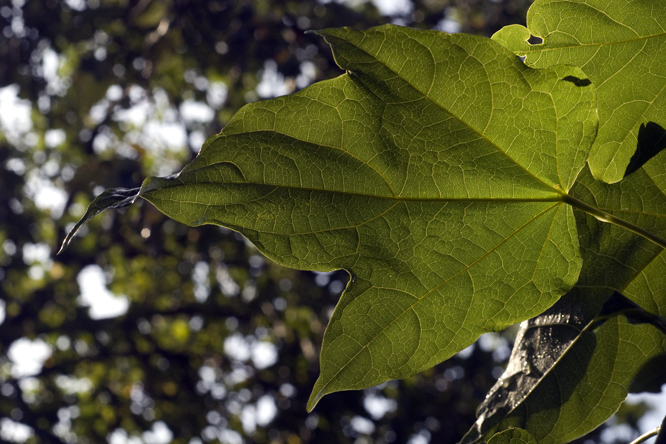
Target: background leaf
point(647, 289)
point(415, 171)
point(637, 266)
point(512, 436)
point(589, 383)
point(615, 259)
point(539, 345)
point(620, 44)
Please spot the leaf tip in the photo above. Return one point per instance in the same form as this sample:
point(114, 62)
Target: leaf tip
point(110, 198)
point(318, 392)
point(67, 240)
point(315, 397)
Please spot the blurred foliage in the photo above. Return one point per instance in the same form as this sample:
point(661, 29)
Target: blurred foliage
point(217, 344)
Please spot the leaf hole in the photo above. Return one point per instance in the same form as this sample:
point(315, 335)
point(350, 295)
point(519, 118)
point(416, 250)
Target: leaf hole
point(534, 40)
point(578, 82)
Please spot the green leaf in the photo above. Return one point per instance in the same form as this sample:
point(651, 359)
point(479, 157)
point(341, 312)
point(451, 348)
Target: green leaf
point(589, 383)
point(539, 346)
point(417, 172)
point(621, 45)
point(589, 379)
point(513, 436)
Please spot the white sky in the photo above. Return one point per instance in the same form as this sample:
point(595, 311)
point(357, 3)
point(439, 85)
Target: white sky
point(94, 294)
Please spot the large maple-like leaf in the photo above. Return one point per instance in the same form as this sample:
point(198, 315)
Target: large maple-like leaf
point(621, 46)
point(435, 171)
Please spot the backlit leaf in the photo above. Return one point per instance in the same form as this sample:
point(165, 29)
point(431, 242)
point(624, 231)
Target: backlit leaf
point(621, 46)
point(416, 172)
point(435, 171)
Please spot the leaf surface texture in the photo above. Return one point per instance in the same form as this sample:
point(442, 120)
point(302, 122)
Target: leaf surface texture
point(434, 171)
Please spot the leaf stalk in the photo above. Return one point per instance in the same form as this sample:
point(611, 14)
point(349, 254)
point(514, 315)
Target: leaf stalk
point(646, 436)
point(607, 217)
